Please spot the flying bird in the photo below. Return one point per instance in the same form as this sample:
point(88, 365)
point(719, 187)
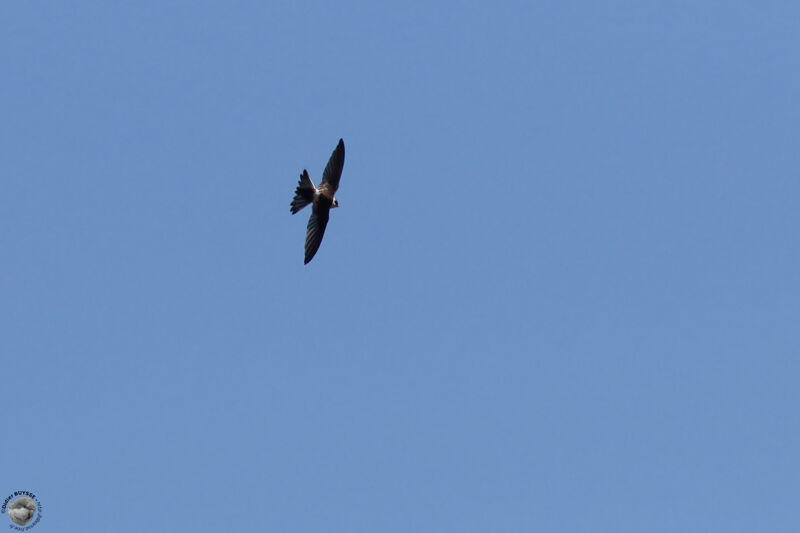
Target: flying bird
point(321, 199)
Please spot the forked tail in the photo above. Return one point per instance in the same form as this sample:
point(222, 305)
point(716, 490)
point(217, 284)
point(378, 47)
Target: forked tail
point(304, 194)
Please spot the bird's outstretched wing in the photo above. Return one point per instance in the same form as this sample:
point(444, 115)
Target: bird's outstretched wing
point(333, 171)
point(315, 230)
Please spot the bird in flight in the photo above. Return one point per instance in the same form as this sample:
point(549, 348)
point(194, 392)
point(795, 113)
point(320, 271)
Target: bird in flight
point(321, 199)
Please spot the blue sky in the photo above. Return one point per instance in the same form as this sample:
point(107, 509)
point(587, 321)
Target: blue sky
point(560, 294)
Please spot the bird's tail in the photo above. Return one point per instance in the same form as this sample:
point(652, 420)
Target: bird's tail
point(304, 194)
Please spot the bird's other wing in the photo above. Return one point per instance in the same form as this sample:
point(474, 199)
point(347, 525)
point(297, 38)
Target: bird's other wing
point(317, 223)
point(304, 194)
point(333, 171)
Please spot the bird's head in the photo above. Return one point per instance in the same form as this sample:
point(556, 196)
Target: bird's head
point(335, 203)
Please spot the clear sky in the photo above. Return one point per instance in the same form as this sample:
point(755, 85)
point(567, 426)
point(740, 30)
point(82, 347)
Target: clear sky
point(560, 293)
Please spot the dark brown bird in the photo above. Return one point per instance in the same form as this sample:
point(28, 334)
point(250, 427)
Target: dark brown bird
point(321, 199)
